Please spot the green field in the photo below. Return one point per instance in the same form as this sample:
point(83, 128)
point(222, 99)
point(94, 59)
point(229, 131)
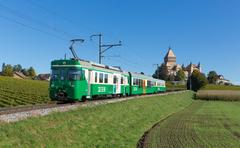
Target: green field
point(220, 87)
point(14, 92)
point(203, 124)
point(112, 125)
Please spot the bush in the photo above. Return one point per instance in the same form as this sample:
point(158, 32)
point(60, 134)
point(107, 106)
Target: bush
point(212, 77)
point(197, 81)
point(7, 71)
point(180, 75)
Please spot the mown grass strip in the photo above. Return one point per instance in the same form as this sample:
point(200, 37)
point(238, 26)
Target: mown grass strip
point(203, 124)
point(112, 125)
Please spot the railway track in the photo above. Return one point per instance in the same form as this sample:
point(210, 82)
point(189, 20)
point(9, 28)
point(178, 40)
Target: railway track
point(10, 110)
point(14, 114)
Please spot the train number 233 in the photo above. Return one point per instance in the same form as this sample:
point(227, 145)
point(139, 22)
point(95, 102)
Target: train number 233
point(101, 89)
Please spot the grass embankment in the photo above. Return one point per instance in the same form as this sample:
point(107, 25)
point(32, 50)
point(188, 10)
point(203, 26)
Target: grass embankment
point(203, 124)
point(222, 95)
point(14, 92)
point(112, 125)
point(220, 87)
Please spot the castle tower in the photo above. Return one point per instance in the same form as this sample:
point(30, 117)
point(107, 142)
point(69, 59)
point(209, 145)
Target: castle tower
point(170, 58)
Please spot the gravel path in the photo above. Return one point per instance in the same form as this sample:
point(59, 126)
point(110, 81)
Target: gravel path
point(14, 117)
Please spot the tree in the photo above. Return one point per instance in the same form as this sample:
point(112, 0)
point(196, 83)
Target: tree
point(180, 75)
point(8, 70)
point(161, 72)
point(17, 68)
point(212, 77)
point(3, 66)
point(183, 67)
point(197, 80)
point(171, 77)
point(32, 72)
point(25, 72)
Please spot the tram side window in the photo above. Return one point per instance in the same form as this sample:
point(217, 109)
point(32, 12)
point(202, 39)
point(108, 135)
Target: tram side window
point(74, 74)
point(139, 82)
point(114, 79)
point(154, 83)
point(162, 84)
point(106, 78)
point(101, 78)
point(134, 81)
point(148, 83)
point(121, 80)
point(96, 77)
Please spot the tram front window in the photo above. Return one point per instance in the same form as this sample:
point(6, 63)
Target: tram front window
point(58, 74)
point(55, 74)
point(74, 75)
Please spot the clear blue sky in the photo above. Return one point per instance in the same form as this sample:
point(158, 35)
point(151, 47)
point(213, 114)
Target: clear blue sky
point(198, 30)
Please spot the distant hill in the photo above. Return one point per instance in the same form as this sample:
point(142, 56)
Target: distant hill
point(14, 92)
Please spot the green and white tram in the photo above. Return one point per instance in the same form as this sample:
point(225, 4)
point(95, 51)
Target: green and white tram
point(77, 80)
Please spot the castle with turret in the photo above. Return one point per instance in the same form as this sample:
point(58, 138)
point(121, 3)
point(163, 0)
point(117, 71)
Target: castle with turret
point(172, 66)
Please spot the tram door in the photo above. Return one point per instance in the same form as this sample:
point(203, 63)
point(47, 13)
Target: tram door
point(144, 86)
point(89, 82)
point(117, 83)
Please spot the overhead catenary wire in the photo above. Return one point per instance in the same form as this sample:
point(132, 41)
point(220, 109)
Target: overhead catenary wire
point(135, 62)
point(32, 28)
point(64, 33)
point(52, 12)
point(125, 63)
point(35, 21)
point(91, 29)
point(48, 10)
point(138, 56)
point(129, 63)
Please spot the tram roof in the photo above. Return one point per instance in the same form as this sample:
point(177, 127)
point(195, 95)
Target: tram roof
point(102, 67)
